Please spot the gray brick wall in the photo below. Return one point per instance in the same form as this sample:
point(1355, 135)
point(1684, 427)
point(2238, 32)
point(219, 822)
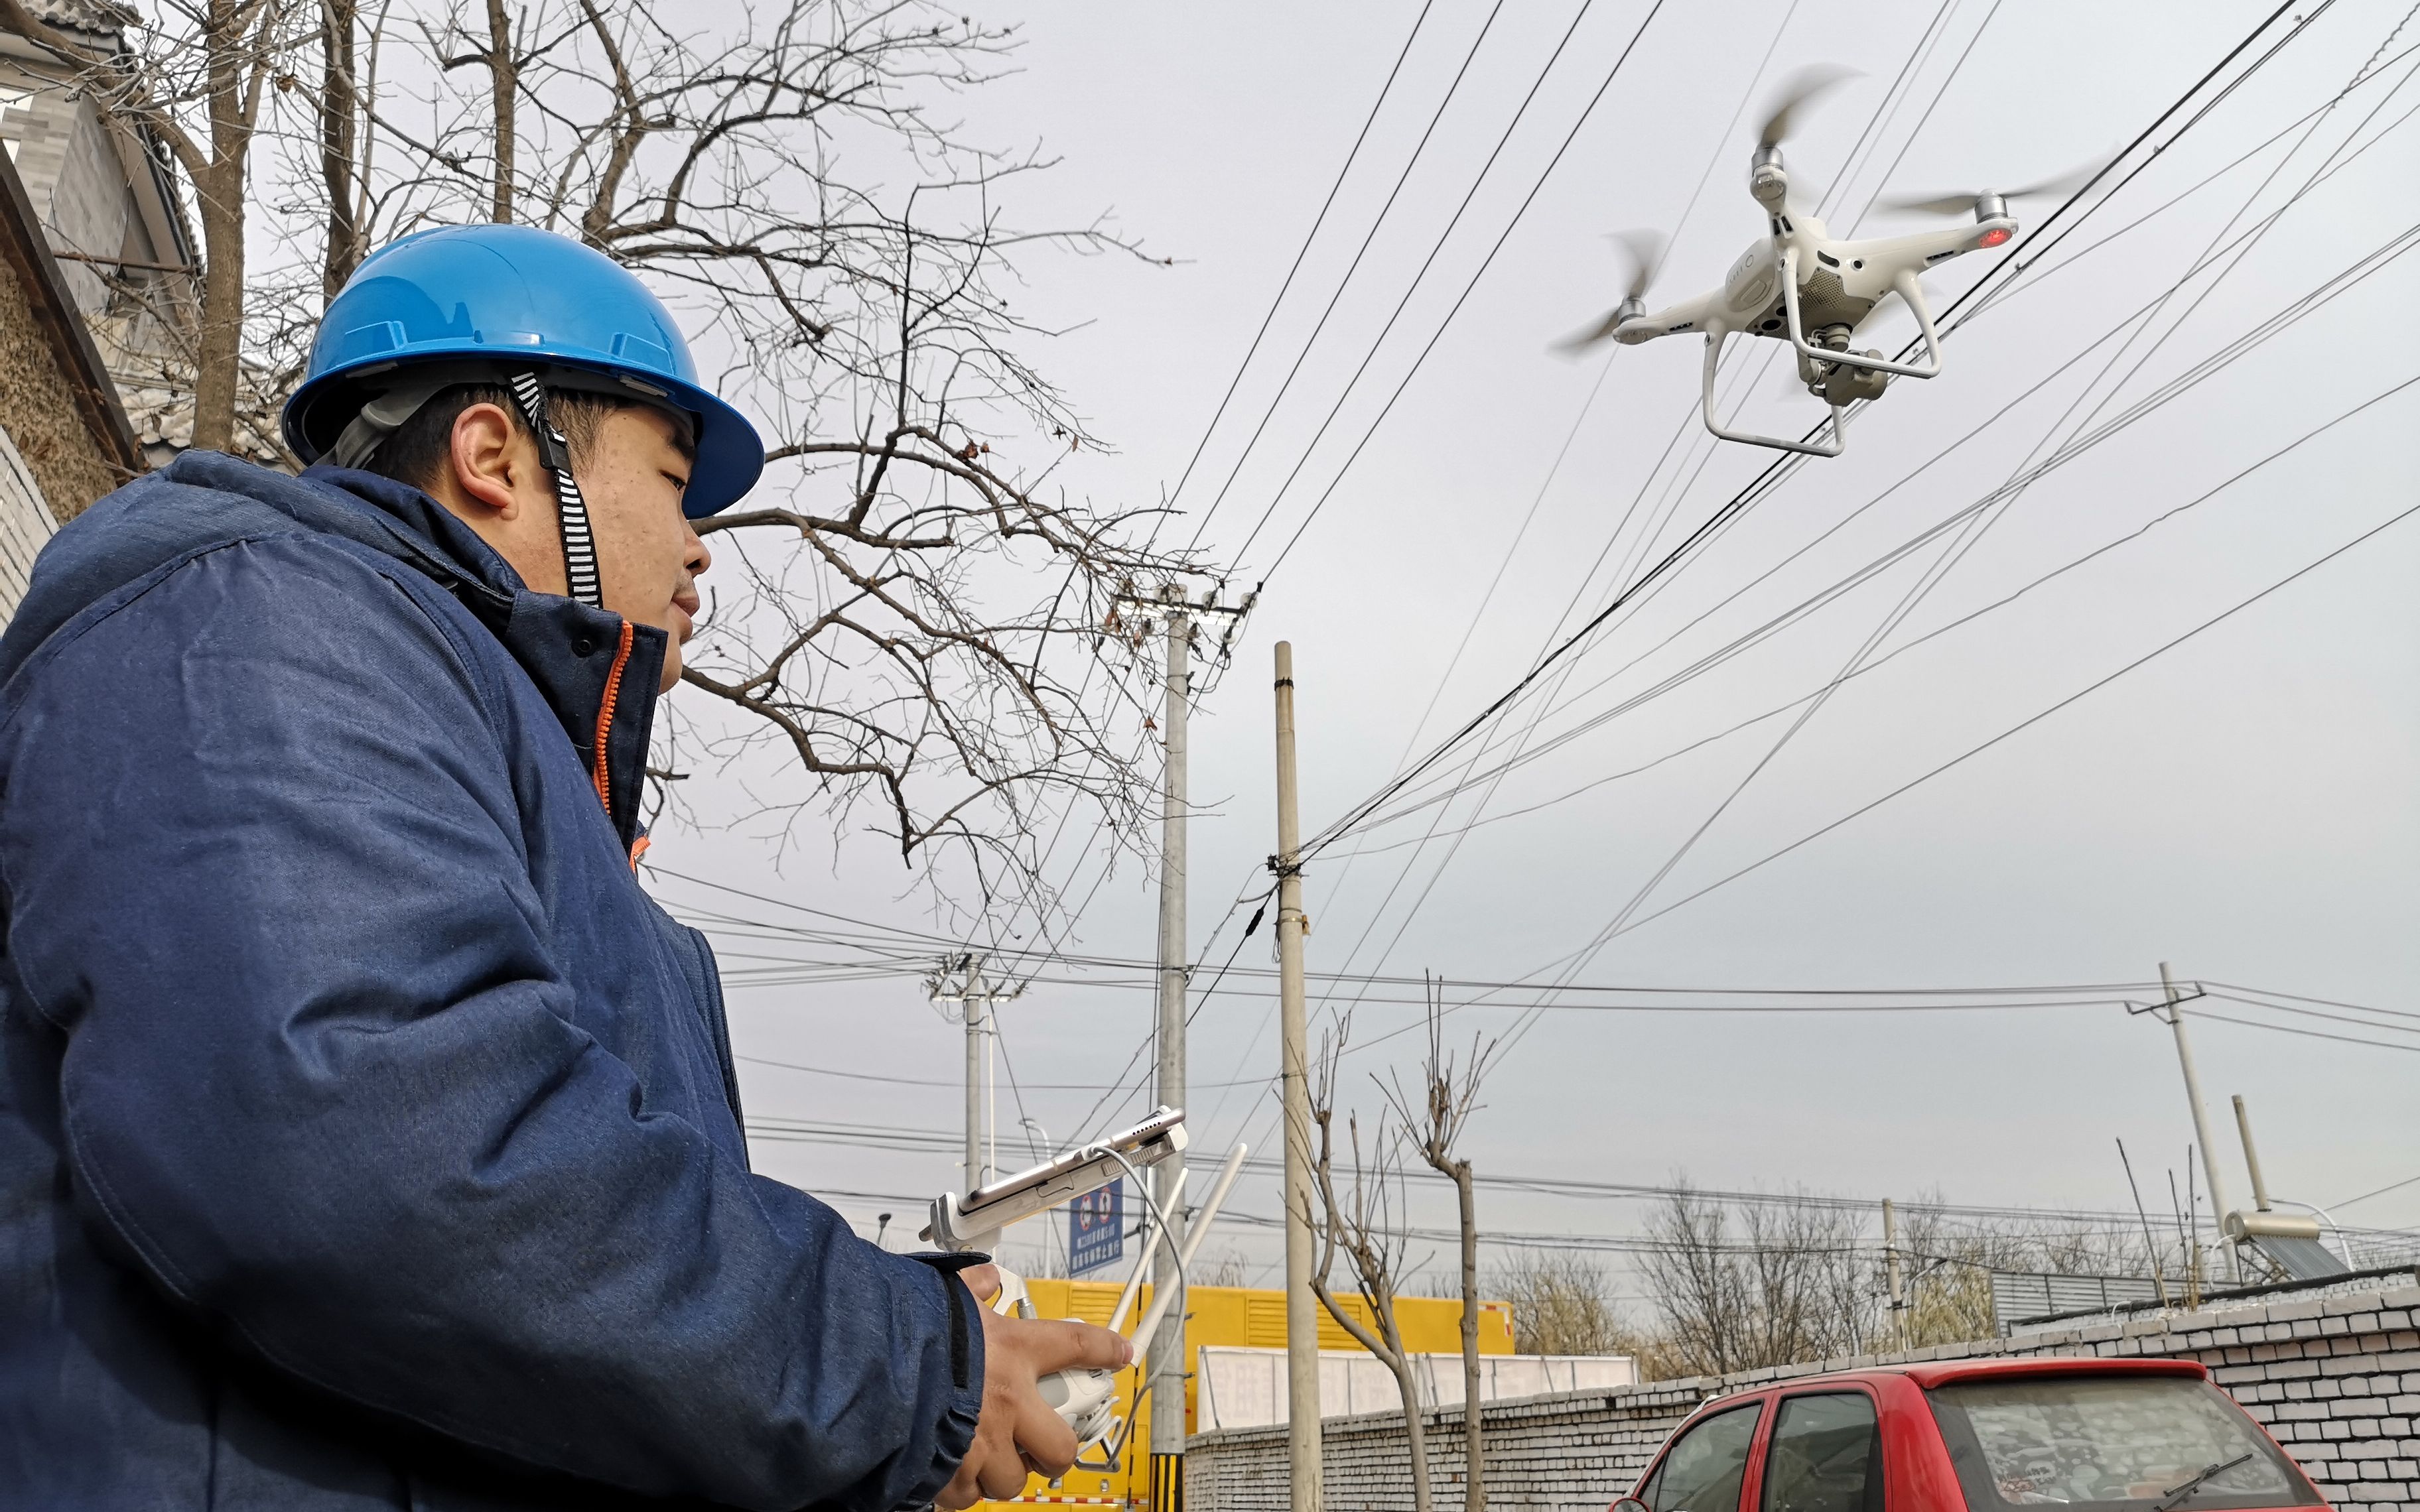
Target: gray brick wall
point(2335, 1378)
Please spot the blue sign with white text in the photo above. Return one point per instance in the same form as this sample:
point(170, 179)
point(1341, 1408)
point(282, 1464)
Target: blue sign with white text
point(1096, 1228)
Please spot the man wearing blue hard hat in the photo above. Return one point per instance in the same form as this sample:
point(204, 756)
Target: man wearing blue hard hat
point(368, 1137)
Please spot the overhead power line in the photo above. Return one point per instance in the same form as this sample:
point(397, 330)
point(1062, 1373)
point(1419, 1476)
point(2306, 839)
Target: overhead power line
point(1773, 472)
point(1337, 297)
point(2341, 283)
point(2377, 1192)
point(2317, 1013)
point(2027, 723)
point(2258, 332)
point(905, 1139)
point(2308, 1034)
point(1912, 644)
point(1764, 480)
point(1300, 252)
point(1460, 300)
point(2259, 993)
point(1456, 839)
point(1586, 996)
point(1622, 921)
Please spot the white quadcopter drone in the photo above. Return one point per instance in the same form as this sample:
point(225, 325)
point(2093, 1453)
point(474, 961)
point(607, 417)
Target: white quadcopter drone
point(1801, 285)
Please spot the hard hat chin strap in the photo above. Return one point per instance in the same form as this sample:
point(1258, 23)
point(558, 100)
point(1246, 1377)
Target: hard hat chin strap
point(571, 510)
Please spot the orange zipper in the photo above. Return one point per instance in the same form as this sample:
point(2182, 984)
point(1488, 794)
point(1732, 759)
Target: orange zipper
point(605, 718)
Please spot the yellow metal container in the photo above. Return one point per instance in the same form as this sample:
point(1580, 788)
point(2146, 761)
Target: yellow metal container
point(1244, 1315)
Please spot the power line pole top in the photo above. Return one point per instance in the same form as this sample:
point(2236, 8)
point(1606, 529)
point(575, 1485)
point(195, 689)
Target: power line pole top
point(1140, 613)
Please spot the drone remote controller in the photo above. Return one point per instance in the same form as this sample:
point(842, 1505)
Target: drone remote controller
point(1085, 1400)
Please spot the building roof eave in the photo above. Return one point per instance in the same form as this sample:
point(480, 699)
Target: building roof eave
point(27, 250)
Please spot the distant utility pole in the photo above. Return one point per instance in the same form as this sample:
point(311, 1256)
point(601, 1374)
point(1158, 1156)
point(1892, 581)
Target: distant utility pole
point(1302, 1325)
point(1890, 1267)
point(2171, 1011)
point(973, 998)
point(1176, 615)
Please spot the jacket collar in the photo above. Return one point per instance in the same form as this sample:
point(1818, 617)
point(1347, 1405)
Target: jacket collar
point(597, 671)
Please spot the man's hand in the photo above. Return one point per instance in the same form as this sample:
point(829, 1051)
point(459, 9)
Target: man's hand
point(1015, 1433)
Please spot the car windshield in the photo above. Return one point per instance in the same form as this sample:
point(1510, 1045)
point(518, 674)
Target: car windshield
point(2115, 1442)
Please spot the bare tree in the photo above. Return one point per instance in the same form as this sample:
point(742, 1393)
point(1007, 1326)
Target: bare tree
point(1230, 1267)
point(1562, 1303)
point(1559, 1303)
point(1449, 1094)
point(1365, 1225)
point(1790, 1277)
point(913, 631)
point(1950, 1288)
point(909, 615)
point(502, 60)
point(1796, 1285)
point(195, 73)
point(343, 103)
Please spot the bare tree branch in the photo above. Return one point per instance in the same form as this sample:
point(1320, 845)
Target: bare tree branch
point(1366, 1227)
point(911, 631)
point(1449, 1095)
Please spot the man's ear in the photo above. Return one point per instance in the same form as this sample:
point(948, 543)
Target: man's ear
point(486, 457)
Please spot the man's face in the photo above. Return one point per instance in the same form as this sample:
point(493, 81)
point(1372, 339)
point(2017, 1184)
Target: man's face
point(648, 558)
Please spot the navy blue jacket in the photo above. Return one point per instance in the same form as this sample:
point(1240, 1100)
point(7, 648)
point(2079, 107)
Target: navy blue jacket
point(368, 1137)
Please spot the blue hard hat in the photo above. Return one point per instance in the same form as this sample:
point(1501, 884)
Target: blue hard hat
point(524, 299)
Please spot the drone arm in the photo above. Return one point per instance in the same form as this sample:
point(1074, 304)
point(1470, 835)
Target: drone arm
point(1716, 334)
point(1912, 293)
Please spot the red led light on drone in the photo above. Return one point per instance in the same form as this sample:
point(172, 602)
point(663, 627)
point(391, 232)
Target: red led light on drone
point(1993, 237)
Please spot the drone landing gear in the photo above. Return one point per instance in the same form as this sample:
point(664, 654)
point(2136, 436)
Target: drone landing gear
point(1716, 335)
point(1904, 285)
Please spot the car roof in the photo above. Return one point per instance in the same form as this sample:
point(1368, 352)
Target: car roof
point(1930, 1373)
point(1943, 1372)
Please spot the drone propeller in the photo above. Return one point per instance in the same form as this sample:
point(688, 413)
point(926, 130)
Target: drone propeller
point(1960, 204)
point(1644, 251)
point(1799, 90)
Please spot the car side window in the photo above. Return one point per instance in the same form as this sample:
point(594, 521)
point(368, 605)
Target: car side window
point(1702, 1470)
point(1826, 1456)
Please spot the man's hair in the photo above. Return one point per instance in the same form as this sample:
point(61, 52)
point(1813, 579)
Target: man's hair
point(418, 449)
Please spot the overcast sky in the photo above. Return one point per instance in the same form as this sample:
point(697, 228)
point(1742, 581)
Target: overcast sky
point(2242, 806)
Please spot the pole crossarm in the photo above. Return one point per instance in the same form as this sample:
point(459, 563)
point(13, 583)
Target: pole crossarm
point(1173, 606)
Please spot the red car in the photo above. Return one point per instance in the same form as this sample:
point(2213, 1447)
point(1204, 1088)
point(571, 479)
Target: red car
point(1977, 1436)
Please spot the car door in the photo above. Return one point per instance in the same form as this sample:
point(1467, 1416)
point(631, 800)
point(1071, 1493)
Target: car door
point(1705, 1467)
point(1825, 1454)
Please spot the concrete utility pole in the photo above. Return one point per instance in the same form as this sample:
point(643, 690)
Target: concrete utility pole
point(1177, 616)
point(2219, 1209)
point(970, 1011)
point(1302, 1323)
point(1167, 1360)
point(2251, 1156)
point(974, 999)
point(1890, 1267)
